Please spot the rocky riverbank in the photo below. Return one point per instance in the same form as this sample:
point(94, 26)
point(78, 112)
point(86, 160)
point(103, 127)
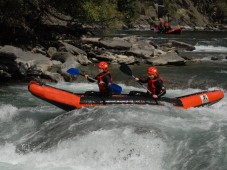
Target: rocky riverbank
point(53, 62)
point(50, 41)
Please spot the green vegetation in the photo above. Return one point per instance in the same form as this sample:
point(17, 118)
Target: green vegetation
point(222, 6)
point(108, 13)
point(103, 13)
point(27, 14)
point(130, 9)
point(215, 9)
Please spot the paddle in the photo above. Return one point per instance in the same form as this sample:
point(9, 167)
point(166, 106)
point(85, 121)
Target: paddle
point(125, 69)
point(116, 88)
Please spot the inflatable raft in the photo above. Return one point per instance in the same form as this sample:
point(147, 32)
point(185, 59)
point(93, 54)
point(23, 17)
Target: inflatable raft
point(69, 101)
point(176, 30)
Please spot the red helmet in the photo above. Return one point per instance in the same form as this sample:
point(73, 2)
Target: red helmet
point(103, 65)
point(153, 71)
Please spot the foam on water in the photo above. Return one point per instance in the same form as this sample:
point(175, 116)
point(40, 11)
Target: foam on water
point(223, 71)
point(7, 112)
point(104, 149)
point(119, 148)
point(209, 48)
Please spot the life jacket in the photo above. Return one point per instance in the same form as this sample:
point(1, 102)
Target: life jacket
point(103, 86)
point(166, 24)
point(151, 85)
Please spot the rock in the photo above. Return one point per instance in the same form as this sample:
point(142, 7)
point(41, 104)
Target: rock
point(168, 58)
point(183, 45)
point(106, 56)
point(90, 40)
point(67, 56)
point(115, 44)
point(214, 58)
point(70, 63)
point(51, 51)
point(4, 75)
point(62, 56)
point(124, 59)
point(22, 63)
point(83, 60)
point(39, 50)
point(56, 77)
point(141, 53)
point(142, 49)
point(158, 52)
point(72, 49)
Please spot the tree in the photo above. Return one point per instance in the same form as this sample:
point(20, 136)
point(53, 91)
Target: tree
point(102, 12)
point(130, 10)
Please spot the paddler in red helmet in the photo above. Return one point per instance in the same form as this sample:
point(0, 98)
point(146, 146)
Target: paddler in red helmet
point(104, 78)
point(155, 83)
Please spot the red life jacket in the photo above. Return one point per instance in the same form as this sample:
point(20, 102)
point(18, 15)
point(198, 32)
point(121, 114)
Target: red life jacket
point(166, 24)
point(151, 85)
point(103, 86)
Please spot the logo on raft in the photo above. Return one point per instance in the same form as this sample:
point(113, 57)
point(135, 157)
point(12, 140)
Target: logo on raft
point(204, 98)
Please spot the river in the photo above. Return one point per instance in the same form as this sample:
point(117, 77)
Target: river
point(119, 137)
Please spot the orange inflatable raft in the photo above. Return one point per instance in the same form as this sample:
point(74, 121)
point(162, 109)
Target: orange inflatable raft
point(176, 30)
point(69, 101)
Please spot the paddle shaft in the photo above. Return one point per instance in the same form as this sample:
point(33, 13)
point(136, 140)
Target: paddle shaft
point(142, 85)
point(88, 77)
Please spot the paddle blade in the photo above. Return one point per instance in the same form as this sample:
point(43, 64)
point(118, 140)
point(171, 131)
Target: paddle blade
point(73, 71)
point(125, 69)
point(116, 88)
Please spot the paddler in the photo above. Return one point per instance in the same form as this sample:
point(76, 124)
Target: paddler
point(166, 27)
point(104, 78)
point(155, 83)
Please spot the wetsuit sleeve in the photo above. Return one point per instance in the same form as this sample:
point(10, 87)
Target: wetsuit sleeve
point(106, 79)
point(143, 80)
point(160, 89)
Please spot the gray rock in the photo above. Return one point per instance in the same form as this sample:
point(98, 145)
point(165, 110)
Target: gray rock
point(22, 62)
point(62, 56)
point(72, 49)
point(51, 51)
point(168, 58)
point(179, 44)
point(124, 59)
point(115, 44)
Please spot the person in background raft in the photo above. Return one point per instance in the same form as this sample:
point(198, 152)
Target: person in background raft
point(166, 27)
point(160, 24)
point(104, 78)
point(155, 83)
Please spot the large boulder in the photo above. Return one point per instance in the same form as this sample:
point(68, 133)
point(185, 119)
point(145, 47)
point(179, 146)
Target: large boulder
point(171, 58)
point(142, 49)
point(72, 49)
point(16, 62)
point(182, 45)
point(64, 56)
point(115, 44)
